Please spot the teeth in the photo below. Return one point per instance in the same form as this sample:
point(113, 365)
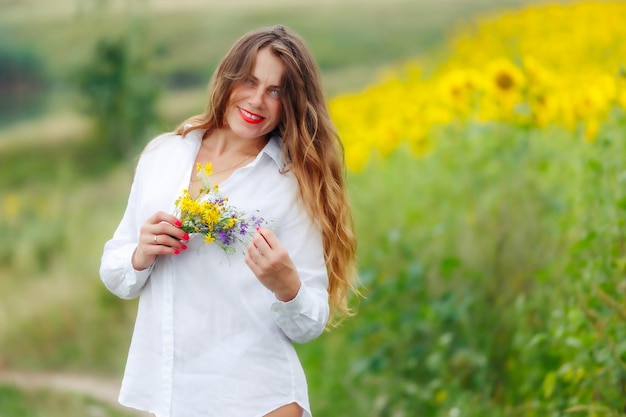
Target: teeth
point(250, 115)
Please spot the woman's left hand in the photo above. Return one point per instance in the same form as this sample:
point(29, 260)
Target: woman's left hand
point(269, 261)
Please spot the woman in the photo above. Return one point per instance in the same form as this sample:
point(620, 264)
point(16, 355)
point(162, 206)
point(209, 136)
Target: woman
point(213, 334)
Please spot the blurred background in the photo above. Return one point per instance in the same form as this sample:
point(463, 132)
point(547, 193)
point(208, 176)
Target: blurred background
point(485, 146)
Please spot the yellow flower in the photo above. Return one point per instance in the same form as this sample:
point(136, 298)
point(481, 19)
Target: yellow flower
point(440, 396)
point(460, 89)
point(207, 168)
point(506, 82)
point(357, 156)
point(210, 213)
point(11, 205)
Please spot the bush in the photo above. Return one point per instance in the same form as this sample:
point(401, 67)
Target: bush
point(23, 83)
point(120, 95)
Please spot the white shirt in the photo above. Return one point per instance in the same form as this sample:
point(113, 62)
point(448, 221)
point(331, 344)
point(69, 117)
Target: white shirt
point(210, 340)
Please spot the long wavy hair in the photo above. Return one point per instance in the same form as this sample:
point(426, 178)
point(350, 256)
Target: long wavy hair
point(310, 145)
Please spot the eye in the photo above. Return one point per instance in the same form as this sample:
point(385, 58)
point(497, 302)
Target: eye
point(274, 92)
point(248, 81)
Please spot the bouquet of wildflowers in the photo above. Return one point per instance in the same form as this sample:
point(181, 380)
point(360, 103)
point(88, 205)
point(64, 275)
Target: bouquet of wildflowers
point(210, 214)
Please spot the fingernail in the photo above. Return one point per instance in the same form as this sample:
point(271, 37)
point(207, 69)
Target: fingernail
point(178, 223)
point(176, 251)
point(185, 236)
point(183, 246)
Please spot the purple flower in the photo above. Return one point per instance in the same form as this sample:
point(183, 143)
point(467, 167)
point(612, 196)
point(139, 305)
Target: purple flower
point(223, 237)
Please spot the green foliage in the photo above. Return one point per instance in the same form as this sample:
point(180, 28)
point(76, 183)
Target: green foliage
point(120, 95)
point(494, 276)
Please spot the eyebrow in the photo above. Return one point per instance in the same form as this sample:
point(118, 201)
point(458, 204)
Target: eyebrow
point(255, 79)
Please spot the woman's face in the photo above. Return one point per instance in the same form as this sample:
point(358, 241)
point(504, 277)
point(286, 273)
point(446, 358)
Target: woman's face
point(254, 107)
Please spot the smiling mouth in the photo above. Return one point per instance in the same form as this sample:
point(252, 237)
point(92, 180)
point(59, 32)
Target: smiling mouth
point(250, 117)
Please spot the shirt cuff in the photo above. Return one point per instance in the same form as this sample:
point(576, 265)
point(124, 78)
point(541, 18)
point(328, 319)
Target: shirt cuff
point(301, 319)
point(293, 306)
point(133, 280)
point(139, 276)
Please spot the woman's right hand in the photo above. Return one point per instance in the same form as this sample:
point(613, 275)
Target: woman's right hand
point(159, 235)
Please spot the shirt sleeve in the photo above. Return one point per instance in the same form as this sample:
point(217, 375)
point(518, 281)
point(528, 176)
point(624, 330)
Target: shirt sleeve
point(304, 318)
point(116, 269)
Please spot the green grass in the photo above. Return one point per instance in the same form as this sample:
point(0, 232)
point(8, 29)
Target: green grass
point(42, 403)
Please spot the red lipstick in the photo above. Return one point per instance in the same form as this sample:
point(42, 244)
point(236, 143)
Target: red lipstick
point(250, 117)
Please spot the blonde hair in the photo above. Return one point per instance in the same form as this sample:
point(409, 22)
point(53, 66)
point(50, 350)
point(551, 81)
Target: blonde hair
point(310, 145)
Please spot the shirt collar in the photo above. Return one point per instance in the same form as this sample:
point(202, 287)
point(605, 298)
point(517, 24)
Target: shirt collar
point(195, 137)
point(274, 151)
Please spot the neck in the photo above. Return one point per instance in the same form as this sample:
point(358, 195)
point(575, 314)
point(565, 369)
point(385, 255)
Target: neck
point(221, 142)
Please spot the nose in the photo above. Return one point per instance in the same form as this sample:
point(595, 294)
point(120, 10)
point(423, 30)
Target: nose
point(256, 97)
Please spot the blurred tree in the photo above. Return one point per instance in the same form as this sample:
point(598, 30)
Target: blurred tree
point(22, 80)
point(120, 95)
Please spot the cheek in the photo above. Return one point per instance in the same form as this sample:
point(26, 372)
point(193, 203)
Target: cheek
point(277, 110)
point(235, 96)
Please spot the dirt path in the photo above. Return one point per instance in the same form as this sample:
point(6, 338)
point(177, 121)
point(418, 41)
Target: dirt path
point(104, 390)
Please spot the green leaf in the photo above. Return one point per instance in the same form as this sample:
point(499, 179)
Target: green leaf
point(548, 384)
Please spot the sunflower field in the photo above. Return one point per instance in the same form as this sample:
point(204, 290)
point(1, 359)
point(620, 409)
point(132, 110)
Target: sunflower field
point(546, 65)
point(489, 182)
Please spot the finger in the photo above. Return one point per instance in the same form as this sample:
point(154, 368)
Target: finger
point(151, 245)
point(157, 233)
point(165, 223)
point(168, 241)
point(269, 236)
point(164, 228)
point(161, 216)
point(259, 245)
point(259, 249)
point(252, 264)
point(251, 251)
